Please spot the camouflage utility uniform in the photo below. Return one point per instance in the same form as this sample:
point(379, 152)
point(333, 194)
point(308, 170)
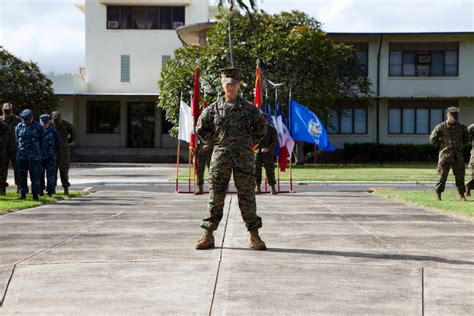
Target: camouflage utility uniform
point(267, 159)
point(67, 136)
point(450, 139)
point(3, 154)
point(10, 148)
point(232, 127)
point(28, 157)
point(470, 175)
point(51, 147)
point(203, 159)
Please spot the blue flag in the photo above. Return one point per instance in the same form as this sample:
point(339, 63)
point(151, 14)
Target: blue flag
point(306, 127)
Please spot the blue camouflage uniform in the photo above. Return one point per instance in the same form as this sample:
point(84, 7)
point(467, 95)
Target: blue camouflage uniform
point(29, 137)
point(49, 151)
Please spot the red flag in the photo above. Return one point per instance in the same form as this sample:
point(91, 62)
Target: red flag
point(258, 98)
point(195, 112)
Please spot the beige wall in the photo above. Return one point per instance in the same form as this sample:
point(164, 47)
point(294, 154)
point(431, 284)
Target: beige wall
point(145, 47)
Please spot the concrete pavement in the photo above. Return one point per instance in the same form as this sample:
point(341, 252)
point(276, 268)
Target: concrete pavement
point(132, 252)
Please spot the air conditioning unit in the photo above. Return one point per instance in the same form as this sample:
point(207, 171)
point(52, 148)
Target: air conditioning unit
point(112, 24)
point(423, 71)
point(177, 24)
point(424, 59)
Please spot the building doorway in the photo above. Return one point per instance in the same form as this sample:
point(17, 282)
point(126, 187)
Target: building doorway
point(141, 124)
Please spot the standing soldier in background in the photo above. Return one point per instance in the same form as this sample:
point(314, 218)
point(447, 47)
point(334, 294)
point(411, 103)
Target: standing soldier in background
point(11, 121)
point(29, 135)
point(49, 152)
point(203, 159)
point(450, 137)
point(3, 154)
point(265, 157)
point(232, 125)
point(470, 175)
point(67, 136)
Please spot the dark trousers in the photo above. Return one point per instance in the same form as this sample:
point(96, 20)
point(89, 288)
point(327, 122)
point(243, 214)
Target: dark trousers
point(34, 167)
point(49, 172)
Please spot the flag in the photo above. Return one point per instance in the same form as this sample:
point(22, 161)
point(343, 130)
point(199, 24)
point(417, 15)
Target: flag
point(285, 140)
point(306, 127)
point(258, 97)
point(195, 112)
point(185, 122)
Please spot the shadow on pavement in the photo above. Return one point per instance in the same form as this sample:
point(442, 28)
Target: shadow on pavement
point(385, 256)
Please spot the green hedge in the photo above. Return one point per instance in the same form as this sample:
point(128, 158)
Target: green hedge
point(372, 152)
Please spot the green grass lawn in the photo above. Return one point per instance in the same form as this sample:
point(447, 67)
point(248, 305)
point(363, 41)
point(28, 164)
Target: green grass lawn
point(426, 198)
point(358, 172)
point(11, 203)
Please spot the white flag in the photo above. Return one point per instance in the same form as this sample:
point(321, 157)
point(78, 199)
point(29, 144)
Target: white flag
point(185, 122)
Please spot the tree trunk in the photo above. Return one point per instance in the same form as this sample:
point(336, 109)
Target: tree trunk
point(299, 153)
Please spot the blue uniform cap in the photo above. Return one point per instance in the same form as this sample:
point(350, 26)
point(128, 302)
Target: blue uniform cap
point(44, 119)
point(26, 114)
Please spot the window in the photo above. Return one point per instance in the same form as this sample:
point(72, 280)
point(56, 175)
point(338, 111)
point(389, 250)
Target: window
point(103, 117)
point(145, 17)
point(423, 59)
point(348, 121)
point(415, 120)
point(165, 124)
point(125, 68)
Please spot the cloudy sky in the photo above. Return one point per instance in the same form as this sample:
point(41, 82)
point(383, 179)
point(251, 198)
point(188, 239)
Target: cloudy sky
point(51, 32)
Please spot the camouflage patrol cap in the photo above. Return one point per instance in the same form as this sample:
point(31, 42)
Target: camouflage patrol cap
point(44, 119)
point(56, 115)
point(453, 109)
point(7, 106)
point(26, 114)
point(230, 75)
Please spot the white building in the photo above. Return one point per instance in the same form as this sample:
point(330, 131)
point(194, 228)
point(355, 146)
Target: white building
point(112, 102)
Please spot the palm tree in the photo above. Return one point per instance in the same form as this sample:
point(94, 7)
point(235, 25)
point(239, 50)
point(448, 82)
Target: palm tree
point(240, 4)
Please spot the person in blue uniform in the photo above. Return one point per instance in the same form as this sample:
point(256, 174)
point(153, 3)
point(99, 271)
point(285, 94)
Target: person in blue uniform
point(29, 137)
point(51, 147)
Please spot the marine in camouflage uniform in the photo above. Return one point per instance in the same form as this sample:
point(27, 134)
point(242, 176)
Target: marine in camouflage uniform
point(232, 125)
point(67, 136)
point(51, 147)
point(265, 157)
point(203, 159)
point(470, 175)
point(11, 121)
point(3, 154)
point(450, 137)
point(29, 135)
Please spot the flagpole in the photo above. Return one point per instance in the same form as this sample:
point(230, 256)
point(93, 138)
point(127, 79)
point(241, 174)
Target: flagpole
point(291, 154)
point(177, 165)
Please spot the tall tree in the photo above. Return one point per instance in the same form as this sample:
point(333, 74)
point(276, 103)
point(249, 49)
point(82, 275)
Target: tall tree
point(292, 49)
point(24, 85)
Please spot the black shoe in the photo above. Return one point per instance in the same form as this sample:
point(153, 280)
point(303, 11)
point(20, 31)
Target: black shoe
point(35, 197)
point(41, 193)
point(23, 197)
point(50, 193)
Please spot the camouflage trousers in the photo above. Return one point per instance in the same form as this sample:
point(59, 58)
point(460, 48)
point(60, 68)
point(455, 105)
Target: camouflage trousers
point(470, 174)
point(242, 166)
point(443, 170)
point(49, 172)
point(203, 160)
point(3, 166)
point(64, 162)
point(9, 158)
point(34, 168)
point(268, 161)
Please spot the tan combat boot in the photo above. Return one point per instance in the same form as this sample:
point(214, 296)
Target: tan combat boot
point(438, 196)
point(274, 191)
point(199, 190)
point(3, 191)
point(255, 241)
point(258, 190)
point(462, 198)
point(206, 241)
